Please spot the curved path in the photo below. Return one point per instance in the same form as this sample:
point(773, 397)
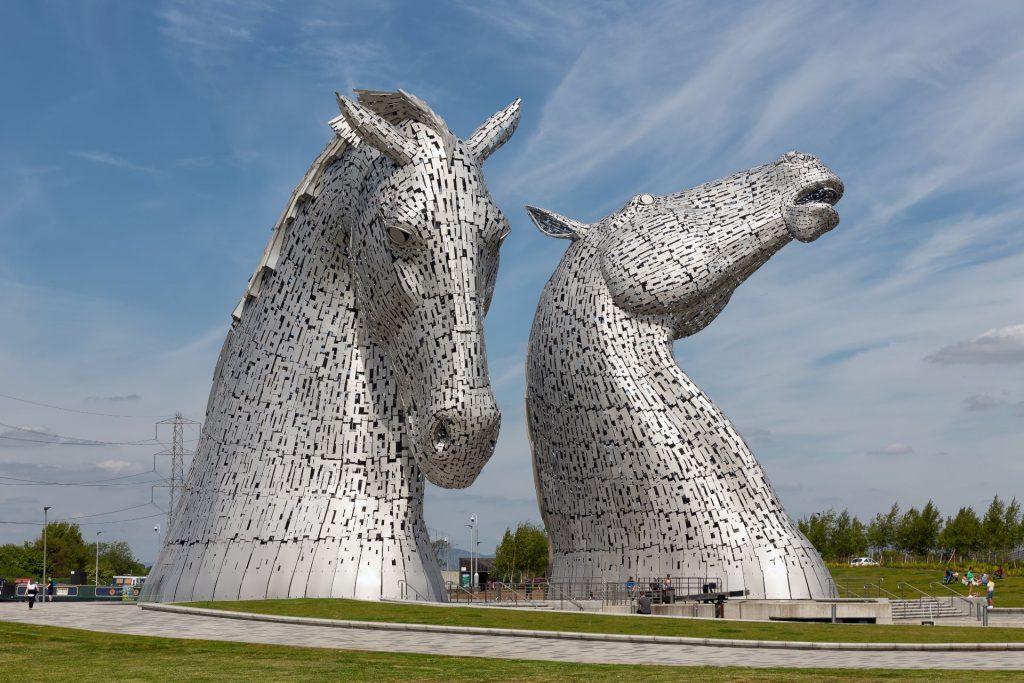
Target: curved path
point(129, 619)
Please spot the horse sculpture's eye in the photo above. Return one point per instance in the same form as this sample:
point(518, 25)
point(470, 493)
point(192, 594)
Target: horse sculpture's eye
point(399, 235)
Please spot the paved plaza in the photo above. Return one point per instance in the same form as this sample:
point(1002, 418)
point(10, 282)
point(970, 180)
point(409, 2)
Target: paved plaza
point(129, 619)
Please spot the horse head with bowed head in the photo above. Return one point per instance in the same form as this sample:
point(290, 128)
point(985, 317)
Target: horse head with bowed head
point(423, 245)
point(668, 484)
point(354, 368)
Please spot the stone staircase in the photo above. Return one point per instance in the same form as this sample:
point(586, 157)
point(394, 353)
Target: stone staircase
point(929, 608)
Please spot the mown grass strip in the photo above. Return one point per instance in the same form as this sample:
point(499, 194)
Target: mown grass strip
point(32, 653)
point(540, 620)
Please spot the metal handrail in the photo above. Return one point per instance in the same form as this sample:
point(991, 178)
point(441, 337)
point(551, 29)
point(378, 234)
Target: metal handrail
point(404, 588)
point(573, 601)
point(904, 584)
point(846, 588)
point(882, 590)
point(970, 603)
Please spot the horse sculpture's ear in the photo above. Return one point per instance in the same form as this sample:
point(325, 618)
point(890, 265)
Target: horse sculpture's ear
point(376, 132)
point(555, 225)
point(494, 132)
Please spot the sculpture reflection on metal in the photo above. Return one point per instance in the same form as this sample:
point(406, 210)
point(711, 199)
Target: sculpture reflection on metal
point(638, 473)
point(354, 366)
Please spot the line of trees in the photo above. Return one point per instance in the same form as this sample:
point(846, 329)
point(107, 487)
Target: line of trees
point(992, 536)
point(67, 551)
point(522, 554)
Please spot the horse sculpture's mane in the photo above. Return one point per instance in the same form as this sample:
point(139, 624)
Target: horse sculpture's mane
point(394, 107)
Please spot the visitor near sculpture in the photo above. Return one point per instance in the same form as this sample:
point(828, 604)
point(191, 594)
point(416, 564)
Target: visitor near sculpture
point(638, 472)
point(354, 367)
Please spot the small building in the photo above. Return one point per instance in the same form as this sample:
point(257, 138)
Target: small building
point(484, 568)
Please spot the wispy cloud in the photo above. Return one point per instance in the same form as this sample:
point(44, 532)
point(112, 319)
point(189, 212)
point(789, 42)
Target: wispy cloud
point(209, 28)
point(1004, 345)
point(125, 398)
point(979, 402)
point(895, 448)
point(107, 159)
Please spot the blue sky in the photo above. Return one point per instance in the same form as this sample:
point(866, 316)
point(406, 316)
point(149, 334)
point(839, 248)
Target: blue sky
point(147, 149)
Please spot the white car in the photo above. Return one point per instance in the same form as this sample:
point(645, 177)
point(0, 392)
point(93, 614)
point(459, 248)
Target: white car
point(863, 562)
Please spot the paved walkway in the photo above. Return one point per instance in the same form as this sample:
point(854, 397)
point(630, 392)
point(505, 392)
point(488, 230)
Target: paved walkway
point(129, 619)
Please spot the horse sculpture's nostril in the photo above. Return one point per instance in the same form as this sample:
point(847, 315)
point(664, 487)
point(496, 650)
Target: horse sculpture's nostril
point(441, 435)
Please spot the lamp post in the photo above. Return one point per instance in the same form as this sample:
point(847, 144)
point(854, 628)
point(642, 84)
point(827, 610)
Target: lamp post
point(98, 557)
point(156, 528)
point(46, 523)
point(447, 554)
point(472, 551)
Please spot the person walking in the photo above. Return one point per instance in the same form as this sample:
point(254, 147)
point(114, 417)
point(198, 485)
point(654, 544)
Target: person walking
point(991, 586)
point(970, 582)
point(32, 590)
point(51, 590)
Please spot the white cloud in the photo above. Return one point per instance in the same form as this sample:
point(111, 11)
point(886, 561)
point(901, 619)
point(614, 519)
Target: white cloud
point(117, 466)
point(1002, 345)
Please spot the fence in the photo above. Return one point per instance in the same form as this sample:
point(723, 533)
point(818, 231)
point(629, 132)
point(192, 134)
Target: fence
point(587, 594)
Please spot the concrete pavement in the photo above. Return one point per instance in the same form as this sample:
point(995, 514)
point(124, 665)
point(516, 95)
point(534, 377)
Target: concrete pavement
point(129, 619)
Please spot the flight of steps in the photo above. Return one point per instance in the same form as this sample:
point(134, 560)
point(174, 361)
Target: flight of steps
point(928, 608)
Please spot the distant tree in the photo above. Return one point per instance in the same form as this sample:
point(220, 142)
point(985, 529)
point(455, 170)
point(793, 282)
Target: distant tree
point(116, 559)
point(918, 531)
point(65, 549)
point(995, 537)
point(881, 532)
point(818, 528)
point(442, 548)
point(962, 533)
point(1014, 525)
point(848, 536)
point(20, 561)
point(523, 552)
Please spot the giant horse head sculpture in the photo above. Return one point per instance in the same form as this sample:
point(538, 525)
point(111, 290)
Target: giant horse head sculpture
point(682, 256)
point(423, 250)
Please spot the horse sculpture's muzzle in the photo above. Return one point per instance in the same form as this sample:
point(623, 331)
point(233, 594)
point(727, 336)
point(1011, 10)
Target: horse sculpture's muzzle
point(454, 444)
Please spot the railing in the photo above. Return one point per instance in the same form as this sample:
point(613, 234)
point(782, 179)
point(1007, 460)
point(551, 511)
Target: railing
point(971, 605)
point(404, 588)
point(880, 590)
point(841, 587)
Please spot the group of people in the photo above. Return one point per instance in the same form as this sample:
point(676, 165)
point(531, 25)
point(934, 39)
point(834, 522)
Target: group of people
point(662, 587)
point(32, 591)
point(971, 580)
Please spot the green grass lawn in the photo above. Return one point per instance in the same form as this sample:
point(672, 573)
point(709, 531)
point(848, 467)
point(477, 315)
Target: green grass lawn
point(47, 654)
point(1009, 591)
point(542, 620)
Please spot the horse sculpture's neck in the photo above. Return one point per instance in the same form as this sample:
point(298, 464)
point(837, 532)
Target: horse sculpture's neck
point(302, 485)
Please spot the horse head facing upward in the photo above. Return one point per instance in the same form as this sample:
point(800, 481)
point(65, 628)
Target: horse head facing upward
point(423, 248)
point(637, 470)
point(684, 254)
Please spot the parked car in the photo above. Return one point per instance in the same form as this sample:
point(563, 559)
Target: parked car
point(863, 562)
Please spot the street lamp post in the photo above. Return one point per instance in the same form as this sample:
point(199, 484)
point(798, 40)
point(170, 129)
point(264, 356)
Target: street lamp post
point(157, 530)
point(98, 557)
point(472, 552)
point(447, 554)
point(46, 523)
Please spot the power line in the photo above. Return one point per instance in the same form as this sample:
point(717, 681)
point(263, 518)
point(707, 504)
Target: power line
point(71, 440)
point(18, 481)
point(112, 521)
point(73, 410)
